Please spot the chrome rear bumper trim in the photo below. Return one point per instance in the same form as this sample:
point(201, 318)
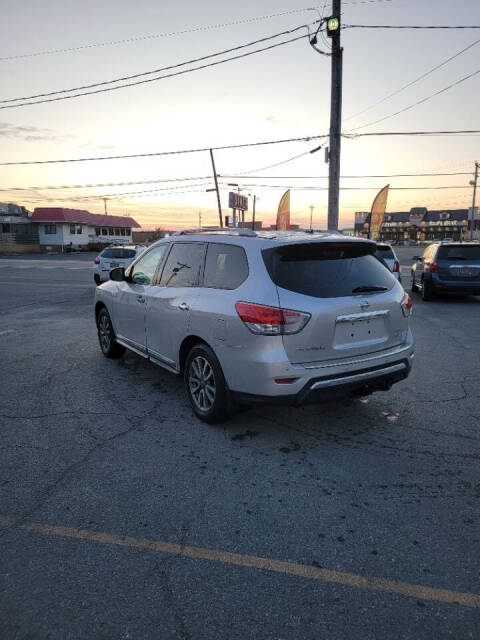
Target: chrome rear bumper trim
point(359, 377)
point(378, 356)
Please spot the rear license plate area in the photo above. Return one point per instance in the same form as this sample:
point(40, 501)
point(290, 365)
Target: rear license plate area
point(358, 332)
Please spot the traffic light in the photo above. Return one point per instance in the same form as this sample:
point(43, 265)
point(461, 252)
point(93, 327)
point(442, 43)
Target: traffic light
point(333, 26)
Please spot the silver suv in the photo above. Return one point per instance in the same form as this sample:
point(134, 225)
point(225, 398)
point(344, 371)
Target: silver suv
point(260, 317)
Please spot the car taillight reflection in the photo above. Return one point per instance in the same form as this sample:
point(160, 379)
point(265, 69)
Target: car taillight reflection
point(433, 266)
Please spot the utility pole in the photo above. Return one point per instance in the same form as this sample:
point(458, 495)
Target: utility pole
point(311, 215)
point(105, 206)
point(474, 185)
point(333, 31)
point(253, 211)
point(216, 189)
point(199, 219)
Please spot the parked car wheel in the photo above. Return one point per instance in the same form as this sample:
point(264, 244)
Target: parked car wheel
point(96, 277)
point(106, 336)
point(414, 284)
point(427, 293)
point(205, 384)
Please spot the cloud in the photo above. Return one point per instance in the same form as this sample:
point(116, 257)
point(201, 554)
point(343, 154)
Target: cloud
point(28, 133)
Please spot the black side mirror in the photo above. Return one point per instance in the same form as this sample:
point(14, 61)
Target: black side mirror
point(117, 274)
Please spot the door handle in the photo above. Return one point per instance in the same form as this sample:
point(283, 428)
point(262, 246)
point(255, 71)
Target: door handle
point(183, 306)
point(141, 298)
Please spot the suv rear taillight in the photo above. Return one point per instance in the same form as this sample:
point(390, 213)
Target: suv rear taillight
point(96, 261)
point(396, 266)
point(433, 266)
point(271, 321)
point(407, 305)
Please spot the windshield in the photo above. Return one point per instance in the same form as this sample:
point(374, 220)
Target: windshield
point(327, 270)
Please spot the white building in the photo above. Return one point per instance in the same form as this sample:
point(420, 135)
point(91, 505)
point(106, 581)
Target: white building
point(77, 229)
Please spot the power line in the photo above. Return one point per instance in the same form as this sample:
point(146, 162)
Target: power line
point(244, 145)
point(418, 102)
point(388, 175)
point(409, 84)
point(450, 132)
point(155, 71)
point(403, 26)
point(313, 188)
point(167, 153)
point(104, 184)
point(234, 175)
point(148, 80)
point(172, 190)
point(170, 34)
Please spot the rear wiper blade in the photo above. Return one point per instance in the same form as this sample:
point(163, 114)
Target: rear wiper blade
point(367, 288)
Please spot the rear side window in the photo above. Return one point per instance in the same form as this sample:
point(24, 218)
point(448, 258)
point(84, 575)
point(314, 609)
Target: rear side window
point(384, 253)
point(119, 254)
point(182, 268)
point(464, 252)
point(326, 270)
point(226, 266)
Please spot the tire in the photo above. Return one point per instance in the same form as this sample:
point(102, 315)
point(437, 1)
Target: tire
point(205, 385)
point(106, 336)
point(96, 277)
point(414, 285)
point(427, 293)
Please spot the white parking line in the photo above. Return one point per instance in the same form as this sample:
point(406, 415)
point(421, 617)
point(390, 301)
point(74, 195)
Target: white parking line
point(2, 333)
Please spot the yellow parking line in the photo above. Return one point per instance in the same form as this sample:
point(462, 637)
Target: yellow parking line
point(255, 562)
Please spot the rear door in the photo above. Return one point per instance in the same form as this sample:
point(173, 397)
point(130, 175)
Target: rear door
point(353, 300)
point(459, 262)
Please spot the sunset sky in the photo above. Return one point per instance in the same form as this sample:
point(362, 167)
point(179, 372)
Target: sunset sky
point(276, 94)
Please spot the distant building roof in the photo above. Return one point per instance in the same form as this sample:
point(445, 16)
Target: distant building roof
point(59, 214)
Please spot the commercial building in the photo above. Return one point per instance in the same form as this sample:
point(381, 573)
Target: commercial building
point(60, 228)
point(421, 225)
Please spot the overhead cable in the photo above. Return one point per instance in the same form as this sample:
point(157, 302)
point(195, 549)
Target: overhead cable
point(351, 135)
point(412, 82)
point(161, 69)
point(154, 36)
point(418, 102)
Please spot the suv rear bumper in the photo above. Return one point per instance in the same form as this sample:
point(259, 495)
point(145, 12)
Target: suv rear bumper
point(456, 286)
point(358, 383)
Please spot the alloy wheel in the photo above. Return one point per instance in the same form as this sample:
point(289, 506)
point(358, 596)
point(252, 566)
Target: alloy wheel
point(104, 332)
point(201, 382)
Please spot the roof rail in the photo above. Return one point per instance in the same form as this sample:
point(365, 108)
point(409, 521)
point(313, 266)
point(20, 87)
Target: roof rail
point(238, 231)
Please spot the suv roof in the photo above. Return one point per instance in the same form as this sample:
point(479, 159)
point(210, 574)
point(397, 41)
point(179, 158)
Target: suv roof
point(296, 237)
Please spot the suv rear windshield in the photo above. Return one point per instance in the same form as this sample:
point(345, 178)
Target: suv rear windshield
point(327, 270)
point(119, 254)
point(459, 252)
point(384, 252)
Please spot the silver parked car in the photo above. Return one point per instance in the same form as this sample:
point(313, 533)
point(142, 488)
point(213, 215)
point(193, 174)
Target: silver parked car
point(251, 317)
point(112, 257)
point(386, 253)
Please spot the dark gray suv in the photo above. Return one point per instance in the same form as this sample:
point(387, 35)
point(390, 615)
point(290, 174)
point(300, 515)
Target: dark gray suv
point(452, 267)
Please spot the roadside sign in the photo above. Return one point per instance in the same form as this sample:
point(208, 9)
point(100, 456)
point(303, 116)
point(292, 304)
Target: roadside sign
point(237, 201)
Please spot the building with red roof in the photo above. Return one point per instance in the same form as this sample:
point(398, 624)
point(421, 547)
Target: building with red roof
point(76, 228)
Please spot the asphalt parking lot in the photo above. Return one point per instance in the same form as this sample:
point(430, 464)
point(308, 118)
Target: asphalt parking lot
point(123, 516)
